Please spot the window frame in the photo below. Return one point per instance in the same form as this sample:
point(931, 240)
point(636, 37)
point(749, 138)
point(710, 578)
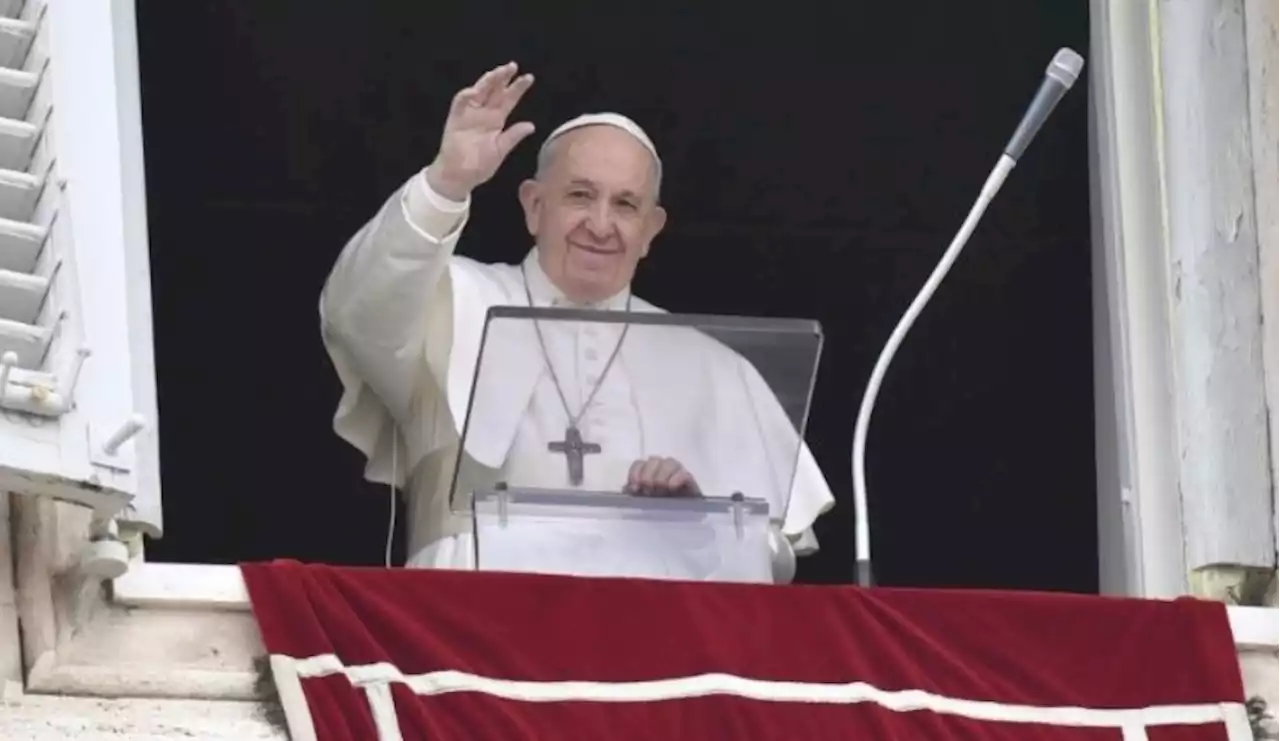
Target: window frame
point(1139, 514)
point(81, 634)
point(93, 439)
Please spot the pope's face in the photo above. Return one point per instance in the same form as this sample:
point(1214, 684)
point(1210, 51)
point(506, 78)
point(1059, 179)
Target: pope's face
point(593, 211)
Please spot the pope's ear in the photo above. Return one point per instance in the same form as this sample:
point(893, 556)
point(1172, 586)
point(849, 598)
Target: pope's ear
point(657, 221)
point(530, 199)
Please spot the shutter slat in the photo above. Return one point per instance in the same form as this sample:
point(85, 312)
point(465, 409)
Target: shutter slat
point(15, 41)
point(20, 245)
point(17, 88)
point(27, 341)
point(17, 142)
point(18, 194)
point(21, 295)
point(11, 8)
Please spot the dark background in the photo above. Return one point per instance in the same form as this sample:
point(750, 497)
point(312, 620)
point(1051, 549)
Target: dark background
point(820, 156)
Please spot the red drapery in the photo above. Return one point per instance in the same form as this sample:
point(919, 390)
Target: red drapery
point(417, 654)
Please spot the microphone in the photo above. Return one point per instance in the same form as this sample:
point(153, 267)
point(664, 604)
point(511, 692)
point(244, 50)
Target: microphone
point(1059, 77)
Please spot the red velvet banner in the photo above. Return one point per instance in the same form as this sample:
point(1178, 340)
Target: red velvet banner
point(418, 654)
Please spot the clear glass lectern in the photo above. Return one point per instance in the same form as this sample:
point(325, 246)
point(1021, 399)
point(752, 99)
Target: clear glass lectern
point(567, 408)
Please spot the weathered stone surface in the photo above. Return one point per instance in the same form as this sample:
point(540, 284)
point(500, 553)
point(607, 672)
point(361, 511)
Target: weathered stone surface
point(50, 718)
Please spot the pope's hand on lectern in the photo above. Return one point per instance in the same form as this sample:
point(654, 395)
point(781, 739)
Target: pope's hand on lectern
point(476, 137)
point(657, 476)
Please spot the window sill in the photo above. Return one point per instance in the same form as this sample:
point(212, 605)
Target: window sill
point(181, 586)
point(1255, 628)
point(220, 587)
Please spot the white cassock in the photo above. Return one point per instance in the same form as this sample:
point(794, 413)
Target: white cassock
point(402, 318)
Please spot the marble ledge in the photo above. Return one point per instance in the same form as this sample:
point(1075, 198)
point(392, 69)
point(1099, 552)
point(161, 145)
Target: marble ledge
point(221, 587)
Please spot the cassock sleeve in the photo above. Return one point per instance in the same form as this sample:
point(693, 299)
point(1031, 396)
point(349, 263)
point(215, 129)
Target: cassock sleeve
point(385, 323)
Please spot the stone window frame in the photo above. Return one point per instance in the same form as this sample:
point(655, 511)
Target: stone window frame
point(186, 630)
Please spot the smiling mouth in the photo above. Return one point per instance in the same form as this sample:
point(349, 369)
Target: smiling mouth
point(595, 250)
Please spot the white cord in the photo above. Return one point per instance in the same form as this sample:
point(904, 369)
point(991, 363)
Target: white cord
point(391, 526)
point(862, 527)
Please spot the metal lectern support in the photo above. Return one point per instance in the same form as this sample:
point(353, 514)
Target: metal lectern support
point(504, 502)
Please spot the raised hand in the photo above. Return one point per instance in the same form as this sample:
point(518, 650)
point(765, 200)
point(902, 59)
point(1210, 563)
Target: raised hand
point(476, 137)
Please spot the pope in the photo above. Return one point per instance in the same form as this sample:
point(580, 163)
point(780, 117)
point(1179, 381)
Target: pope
point(616, 407)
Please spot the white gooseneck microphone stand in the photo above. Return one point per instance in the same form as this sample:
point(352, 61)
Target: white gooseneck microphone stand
point(1059, 77)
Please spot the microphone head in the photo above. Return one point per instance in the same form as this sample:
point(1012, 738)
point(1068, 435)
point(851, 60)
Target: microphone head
point(1065, 67)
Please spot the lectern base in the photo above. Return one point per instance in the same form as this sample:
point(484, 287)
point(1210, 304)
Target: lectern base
point(607, 534)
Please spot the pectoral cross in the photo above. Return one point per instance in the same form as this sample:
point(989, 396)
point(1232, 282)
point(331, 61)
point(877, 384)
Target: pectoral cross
point(573, 448)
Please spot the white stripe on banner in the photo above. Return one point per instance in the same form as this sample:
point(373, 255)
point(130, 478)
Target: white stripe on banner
point(383, 707)
point(1132, 722)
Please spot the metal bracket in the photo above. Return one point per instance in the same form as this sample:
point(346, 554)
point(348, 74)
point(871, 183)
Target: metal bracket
point(504, 498)
point(738, 508)
point(111, 453)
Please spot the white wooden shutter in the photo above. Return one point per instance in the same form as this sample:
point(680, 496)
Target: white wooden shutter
point(75, 301)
